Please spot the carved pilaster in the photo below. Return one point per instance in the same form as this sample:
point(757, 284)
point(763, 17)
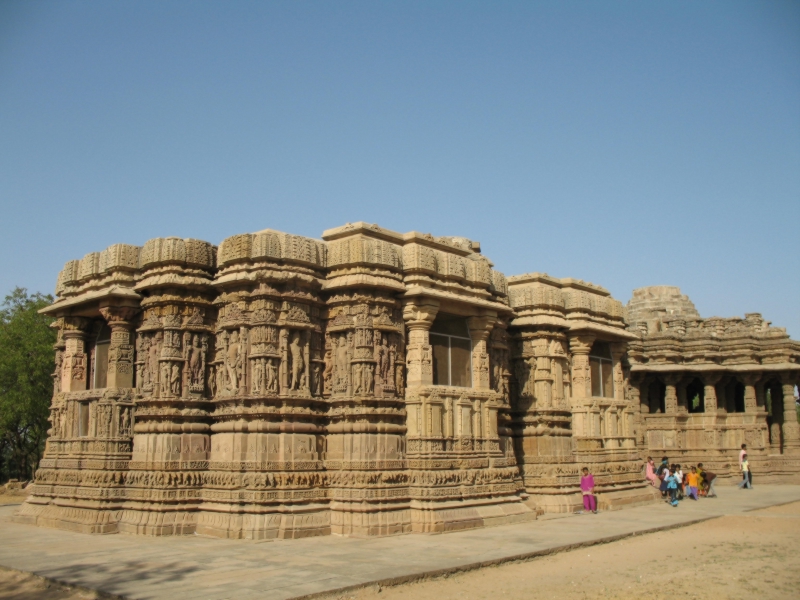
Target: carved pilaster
point(75, 367)
point(791, 428)
point(750, 397)
point(710, 392)
point(419, 315)
point(479, 329)
point(579, 347)
point(120, 352)
point(671, 395)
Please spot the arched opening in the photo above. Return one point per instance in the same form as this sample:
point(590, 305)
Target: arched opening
point(695, 396)
point(656, 397)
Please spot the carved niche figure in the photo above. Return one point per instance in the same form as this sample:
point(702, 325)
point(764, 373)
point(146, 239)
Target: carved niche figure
point(221, 382)
point(400, 381)
point(212, 381)
point(341, 362)
point(316, 379)
point(271, 376)
point(327, 374)
point(78, 364)
point(258, 375)
point(125, 422)
point(392, 360)
point(233, 362)
point(62, 423)
point(165, 379)
point(382, 360)
point(57, 372)
point(152, 359)
point(175, 380)
point(358, 371)
point(369, 378)
point(196, 361)
point(298, 363)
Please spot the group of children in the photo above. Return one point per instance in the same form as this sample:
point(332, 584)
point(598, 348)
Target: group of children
point(676, 485)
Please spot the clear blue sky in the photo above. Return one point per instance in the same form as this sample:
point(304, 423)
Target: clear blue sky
point(625, 143)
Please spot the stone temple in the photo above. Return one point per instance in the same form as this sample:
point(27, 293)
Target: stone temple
point(375, 383)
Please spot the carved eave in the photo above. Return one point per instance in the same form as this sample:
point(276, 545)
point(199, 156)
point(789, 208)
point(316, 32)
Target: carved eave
point(251, 275)
point(361, 280)
point(603, 332)
point(89, 303)
point(544, 321)
point(709, 367)
point(457, 303)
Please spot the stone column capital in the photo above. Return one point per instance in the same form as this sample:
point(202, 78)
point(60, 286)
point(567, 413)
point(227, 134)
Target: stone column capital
point(420, 313)
point(581, 343)
point(618, 349)
point(480, 327)
point(120, 316)
point(750, 378)
point(75, 326)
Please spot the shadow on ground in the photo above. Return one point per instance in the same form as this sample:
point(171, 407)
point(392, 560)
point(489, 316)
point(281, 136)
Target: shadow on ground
point(116, 579)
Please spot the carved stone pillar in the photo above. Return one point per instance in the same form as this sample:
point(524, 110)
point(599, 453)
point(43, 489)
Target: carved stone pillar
point(579, 347)
point(120, 352)
point(671, 395)
point(617, 353)
point(479, 329)
point(75, 367)
point(710, 392)
point(419, 316)
point(750, 398)
point(683, 405)
point(638, 400)
point(791, 428)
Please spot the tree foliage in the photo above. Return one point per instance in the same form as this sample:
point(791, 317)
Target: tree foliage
point(26, 383)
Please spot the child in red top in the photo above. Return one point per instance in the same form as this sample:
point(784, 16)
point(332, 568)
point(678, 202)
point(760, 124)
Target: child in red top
point(587, 489)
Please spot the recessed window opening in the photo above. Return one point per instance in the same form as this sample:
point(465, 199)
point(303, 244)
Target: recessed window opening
point(100, 358)
point(83, 419)
point(452, 351)
point(602, 369)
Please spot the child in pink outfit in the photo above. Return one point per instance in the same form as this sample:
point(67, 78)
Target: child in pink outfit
point(587, 488)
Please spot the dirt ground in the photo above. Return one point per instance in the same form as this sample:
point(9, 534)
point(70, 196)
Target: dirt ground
point(752, 555)
point(7, 498)
point(756, 555)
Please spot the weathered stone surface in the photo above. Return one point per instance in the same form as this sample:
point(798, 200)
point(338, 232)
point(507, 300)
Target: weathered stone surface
point(376, 383)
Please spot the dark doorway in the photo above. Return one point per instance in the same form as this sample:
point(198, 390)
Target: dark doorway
point(695, 396)
point(738, 397)
point(656, 397)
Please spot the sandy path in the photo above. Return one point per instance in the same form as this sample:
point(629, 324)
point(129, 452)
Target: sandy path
point(756, 555)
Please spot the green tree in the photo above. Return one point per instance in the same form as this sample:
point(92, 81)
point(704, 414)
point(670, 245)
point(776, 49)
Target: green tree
point(26, 384)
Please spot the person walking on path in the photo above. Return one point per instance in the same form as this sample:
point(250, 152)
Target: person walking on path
point(692, 479)
point(745, 484)
point(672, 486)
point(742, 455)
point(662, 473)
point(708, 478)
point(587, 489)
point(650, 473)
